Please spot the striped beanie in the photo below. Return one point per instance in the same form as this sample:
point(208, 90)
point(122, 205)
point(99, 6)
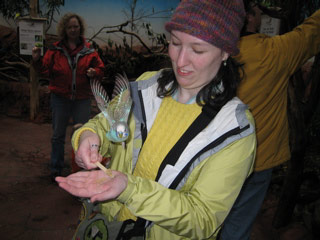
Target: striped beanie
point(218, 22)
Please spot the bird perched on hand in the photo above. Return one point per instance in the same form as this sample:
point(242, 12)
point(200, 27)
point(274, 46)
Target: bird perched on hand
point(117, 110)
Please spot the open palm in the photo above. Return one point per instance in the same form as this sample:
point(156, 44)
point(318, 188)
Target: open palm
point(96, 185)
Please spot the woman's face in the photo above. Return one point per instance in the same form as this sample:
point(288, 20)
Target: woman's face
point(195, 62)
point(256, 18)
point(73, 29)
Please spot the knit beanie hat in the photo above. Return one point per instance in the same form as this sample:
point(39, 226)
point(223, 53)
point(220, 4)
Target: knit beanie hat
point(218, 22)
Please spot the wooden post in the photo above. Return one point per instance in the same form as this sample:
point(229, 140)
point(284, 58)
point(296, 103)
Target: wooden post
point(34, 81)
point(33, 8)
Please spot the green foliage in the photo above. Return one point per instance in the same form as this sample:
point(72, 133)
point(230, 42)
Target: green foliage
point(9, 8)
point(48, 10)
point(12, 9)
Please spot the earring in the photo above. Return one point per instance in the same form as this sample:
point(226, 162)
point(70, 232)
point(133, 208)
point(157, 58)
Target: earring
point(225, 63)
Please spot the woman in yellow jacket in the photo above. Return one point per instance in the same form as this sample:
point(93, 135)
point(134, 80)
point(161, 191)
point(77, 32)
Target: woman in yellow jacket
point(182, 186)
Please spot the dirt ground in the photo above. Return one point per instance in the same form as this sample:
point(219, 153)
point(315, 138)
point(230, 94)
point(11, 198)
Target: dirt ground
point(33, 208)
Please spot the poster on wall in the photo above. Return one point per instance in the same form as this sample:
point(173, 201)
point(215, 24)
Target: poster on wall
point(30, 34)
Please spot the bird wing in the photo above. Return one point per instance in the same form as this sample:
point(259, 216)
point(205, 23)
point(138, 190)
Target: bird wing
point(120, 105)
point(101, 97)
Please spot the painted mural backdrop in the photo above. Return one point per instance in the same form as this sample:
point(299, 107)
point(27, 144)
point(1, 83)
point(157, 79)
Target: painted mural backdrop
point(102, 14)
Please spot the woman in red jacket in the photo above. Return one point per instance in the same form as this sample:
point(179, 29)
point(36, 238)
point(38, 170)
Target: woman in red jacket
point(69, 63)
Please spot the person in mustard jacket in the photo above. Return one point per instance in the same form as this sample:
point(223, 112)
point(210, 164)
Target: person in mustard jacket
point(69, 64)
point(268, 64)
point(192, 141)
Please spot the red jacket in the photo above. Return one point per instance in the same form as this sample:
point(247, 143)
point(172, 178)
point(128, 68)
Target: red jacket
point(67, 69)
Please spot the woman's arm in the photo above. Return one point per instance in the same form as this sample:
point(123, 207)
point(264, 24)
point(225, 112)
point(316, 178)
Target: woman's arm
point(195, 211)
point(96, 68)
point(93, 133)
point(200, 207)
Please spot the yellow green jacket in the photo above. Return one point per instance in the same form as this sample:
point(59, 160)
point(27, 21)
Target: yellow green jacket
point(268, 64)
point(197, 207)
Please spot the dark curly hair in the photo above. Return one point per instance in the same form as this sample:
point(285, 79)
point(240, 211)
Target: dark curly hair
point(62, 25)
point(217, 93)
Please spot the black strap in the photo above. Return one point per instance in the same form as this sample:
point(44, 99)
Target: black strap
point(144, 131)
point(137, 230)
point(202, 121)
point(215, 143)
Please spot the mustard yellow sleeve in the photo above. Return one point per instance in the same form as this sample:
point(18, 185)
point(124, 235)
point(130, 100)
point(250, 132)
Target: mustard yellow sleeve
point(294, 48)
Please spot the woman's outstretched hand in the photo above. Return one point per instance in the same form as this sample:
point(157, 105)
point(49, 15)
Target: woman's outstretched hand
point(96, 185)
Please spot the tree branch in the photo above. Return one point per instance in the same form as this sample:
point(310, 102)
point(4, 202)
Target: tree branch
point(120, 26)
point(18, 64)
point(132, 34)
point(18, 79)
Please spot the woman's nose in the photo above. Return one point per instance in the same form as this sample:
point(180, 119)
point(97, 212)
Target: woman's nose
point(183, 57)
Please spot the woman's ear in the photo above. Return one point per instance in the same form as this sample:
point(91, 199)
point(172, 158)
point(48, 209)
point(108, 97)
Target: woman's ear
point(225, 56)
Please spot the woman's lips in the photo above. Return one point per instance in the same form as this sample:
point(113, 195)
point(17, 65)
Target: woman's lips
point(182, 72)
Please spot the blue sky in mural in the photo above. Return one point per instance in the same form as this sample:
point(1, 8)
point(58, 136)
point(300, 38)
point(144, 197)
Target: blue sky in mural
point(100, 13)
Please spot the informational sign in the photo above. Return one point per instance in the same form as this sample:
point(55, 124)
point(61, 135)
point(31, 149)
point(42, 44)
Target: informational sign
point(269, 25)
point(30, 34)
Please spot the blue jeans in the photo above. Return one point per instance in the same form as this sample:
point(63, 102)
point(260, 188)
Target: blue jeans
point(62, 109)
point(239, 222)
